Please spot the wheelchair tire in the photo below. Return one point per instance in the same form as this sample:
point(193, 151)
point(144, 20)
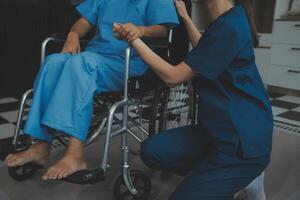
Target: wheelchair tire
point(22, 173)
point(171, 115)
point(141, 182)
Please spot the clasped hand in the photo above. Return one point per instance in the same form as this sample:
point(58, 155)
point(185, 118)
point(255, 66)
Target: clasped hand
point(128, 31)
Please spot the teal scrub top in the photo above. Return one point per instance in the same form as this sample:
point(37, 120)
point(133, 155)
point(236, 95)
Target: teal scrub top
point(103, 13)
point(233, 105)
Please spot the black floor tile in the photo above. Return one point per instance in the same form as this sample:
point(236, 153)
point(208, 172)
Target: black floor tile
point(275, 95)
point(6, 107)
point(284, 104)
point(3, 121)
point(291, 115)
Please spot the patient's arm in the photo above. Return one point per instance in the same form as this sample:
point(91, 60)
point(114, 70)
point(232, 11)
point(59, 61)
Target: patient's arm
point(78, 30)
point(131, 32)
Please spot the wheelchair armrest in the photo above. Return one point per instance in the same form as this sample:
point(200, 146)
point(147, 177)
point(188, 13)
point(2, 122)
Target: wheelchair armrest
point(63, 37)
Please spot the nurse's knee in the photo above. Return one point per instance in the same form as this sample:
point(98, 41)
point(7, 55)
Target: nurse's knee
point(150, 152)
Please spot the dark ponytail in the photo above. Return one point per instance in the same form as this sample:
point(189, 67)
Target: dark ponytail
point(247, 4)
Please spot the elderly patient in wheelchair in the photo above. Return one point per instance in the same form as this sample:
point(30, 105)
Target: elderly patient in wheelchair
point(67, 82)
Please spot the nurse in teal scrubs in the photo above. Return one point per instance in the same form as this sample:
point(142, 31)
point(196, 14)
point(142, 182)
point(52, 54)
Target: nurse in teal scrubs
point(67, 82)
point(231, 144)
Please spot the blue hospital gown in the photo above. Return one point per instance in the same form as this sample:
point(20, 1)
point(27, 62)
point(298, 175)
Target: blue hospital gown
point(66, 84)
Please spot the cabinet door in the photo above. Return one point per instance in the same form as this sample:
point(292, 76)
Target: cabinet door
point(286, 77)
point(286, 55)
point(286, 32)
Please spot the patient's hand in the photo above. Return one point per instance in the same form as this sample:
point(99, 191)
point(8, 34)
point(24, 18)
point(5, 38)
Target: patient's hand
point(128, 31)
point(72, 44)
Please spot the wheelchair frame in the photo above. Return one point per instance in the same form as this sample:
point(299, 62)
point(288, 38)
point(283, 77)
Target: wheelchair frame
point(93, 176)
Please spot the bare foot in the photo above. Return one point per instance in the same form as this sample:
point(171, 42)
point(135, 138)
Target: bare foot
point(73, 161)
point(37, 153)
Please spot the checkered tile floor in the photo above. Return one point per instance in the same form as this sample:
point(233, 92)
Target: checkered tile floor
point(286, 111)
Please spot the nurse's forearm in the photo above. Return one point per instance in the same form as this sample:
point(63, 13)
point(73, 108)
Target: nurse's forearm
point(171, 75)
point(81, 27)
point(193, 32)
point(154, 31)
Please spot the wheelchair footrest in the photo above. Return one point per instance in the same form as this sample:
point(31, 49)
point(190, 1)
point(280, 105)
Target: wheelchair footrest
point(86, 177)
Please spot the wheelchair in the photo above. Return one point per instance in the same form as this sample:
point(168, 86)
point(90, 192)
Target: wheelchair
point(107, 106)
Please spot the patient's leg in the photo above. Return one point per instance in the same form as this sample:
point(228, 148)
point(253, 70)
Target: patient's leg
point(37, 153)
point(44, 85)
point(71, 162)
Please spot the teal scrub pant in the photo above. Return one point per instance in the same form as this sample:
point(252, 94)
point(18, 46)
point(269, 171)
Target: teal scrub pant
point(211, 174)
point(65, 88)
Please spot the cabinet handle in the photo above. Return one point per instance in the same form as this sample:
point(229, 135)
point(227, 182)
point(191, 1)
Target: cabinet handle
point(297, 25)
point(295, 49)
point(293, 71)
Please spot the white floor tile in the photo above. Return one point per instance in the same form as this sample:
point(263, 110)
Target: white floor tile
point(290, 99)
point(277, 110)
point(8, 100)
point(297, 109)
point(292, 122)
point(6, 130)
point(10, 116)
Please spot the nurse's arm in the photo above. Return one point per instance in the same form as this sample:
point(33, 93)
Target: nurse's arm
point(171, 75)
point(192, 31)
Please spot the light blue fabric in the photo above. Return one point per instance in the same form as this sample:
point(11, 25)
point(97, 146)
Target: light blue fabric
point(66, 84)
point(104, 13)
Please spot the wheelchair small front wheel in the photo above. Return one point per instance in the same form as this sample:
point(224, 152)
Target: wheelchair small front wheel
point(141, 182)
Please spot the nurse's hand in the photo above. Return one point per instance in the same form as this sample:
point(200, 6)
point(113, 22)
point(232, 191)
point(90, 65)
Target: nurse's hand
point(128, 31)
point(72, 44)
point(181, 8)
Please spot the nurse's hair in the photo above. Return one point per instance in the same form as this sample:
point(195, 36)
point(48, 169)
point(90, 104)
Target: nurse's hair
point(247, 4)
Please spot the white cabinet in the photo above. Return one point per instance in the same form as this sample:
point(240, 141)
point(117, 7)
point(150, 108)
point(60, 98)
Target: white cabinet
point(283, 76)
point(287, 32)
point(286, 55)
point(284, 70)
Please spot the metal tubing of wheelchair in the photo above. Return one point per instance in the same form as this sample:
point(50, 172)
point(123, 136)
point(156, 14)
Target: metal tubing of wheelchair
point(44, 47)
point(129, 131)
point(170, 41)
point(125, 150)
point(118, 132)
point(99, 129)
point(134, 135)
point(20, 116)
point(138, 126)
point(109, 131)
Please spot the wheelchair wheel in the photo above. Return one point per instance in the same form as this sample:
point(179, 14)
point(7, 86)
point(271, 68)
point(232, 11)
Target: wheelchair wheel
point(178, 107)
point(141, 183)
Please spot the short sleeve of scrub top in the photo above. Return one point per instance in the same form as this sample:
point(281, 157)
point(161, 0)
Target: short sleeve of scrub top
point(217, 48)
point(89, 9)
point(156, 13)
